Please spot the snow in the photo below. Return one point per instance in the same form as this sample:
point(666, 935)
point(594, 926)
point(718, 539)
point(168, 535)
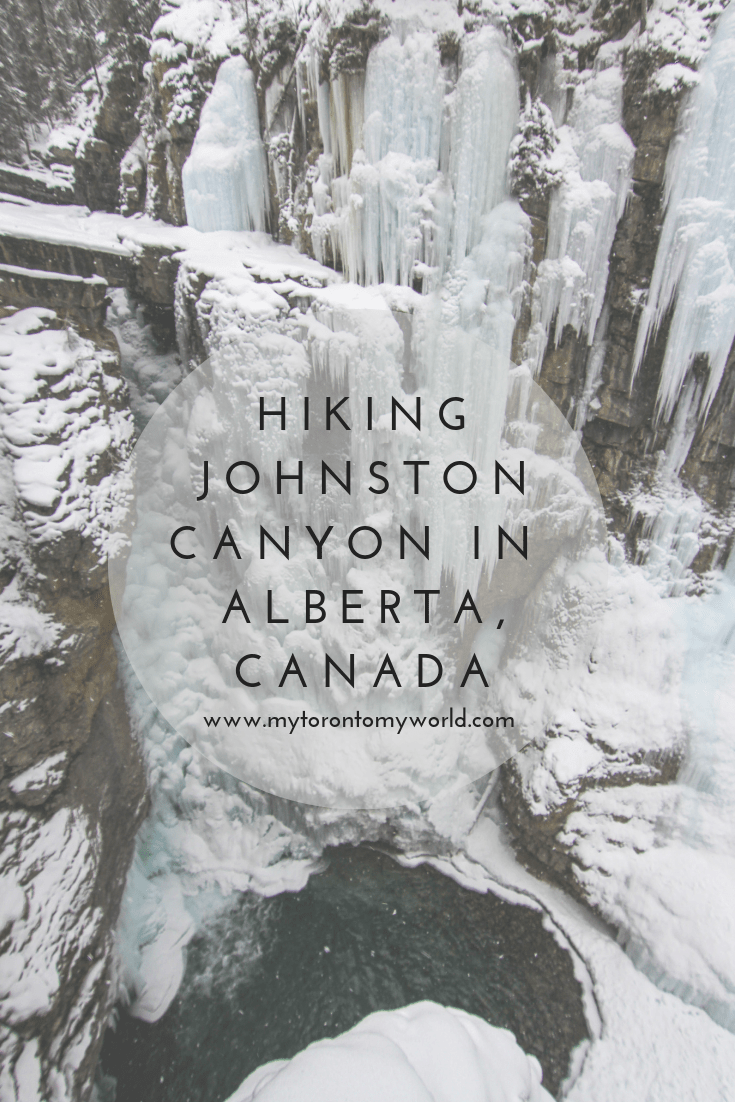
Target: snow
point(51, 933)
point(13, 901)
point(61, 413)
point(58, 178)
point(25, 630)
point(27, 1073)
point(67, 140)
point(679, 32)
point(53, 864)
point(225, 179)
point(149, 373)
point(250, 255)
point(71, 225)
point(670, 892)
point(203, 25)
point(673, 77)
point(695, 261)
point(647, 1045)
point(44, 777)
point(657, 861)
point(420, 1053)
point(36, 273)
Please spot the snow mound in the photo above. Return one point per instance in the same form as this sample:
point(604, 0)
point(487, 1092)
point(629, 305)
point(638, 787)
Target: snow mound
point(421, 1053)
point(66, 435)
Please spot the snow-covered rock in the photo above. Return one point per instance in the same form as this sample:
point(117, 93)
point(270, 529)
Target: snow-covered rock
point(72, 789)
point(421, 1053)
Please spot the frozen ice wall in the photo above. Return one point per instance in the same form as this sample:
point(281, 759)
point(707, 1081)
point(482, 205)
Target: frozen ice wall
point(225, 179)
point(483, 119)
point(695, 262)
point(348, 343)
point(595, 155)
point(411, 164)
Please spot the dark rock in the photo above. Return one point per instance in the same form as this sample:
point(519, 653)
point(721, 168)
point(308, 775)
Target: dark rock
point(38, 186)
point(112, 265)
point(74, 298)
point(72, 788)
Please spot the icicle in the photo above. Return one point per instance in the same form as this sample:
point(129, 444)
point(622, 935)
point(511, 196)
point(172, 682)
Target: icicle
point(309, 89)
point(379, 199)
point(346, 106)
point(484, 116)
point(593, 375)
point(391, 206)
point(225, 179)
point(586, 209)
point(695, 261)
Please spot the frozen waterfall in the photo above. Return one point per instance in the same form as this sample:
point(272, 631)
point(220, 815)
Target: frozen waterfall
point(225, 179)
point(695, 262)
point(411, 189)
point(406, 154)
point(596, 156)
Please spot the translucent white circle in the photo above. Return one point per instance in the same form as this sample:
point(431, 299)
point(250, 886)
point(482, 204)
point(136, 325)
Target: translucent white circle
point(322, 610)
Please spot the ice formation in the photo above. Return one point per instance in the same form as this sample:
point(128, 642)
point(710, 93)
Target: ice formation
point(204, 839)
point(421, 1053)
point(403, 149)
point(695, 262)
point(427, 348)
point(225, 179)
point(483, 119)
point(595, 156)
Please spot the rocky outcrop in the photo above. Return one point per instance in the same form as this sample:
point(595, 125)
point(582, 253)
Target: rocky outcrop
point(622, 434)
point(72, 787)
point(76, 298)
point(175, 96)
point(70, 278)
point(41, 186)
point(575, 798)
point(33, 253)
point(100, 152)
point(541, 830)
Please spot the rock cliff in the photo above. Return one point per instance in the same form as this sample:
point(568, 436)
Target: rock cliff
point(72, 789)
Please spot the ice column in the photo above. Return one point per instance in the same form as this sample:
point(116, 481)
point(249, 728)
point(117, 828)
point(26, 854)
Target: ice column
point(596, 155)
point(484, 115)
point(377, 209)
point(696, 254)
point(225, 179)
point(427, 167)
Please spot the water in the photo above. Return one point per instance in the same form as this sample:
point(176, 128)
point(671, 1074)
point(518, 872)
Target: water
point(270, 976)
